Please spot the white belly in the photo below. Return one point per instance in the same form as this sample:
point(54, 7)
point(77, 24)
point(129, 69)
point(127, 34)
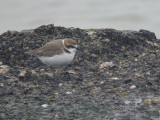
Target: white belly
point(57, 60)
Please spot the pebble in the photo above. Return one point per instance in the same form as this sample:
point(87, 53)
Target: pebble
point(4, 69)
point(71, 72)
point(151, 56)
point(147, 101)
point(156, 45)
point(10, 49)
point(150, 43)
point(42, 70)
point(123, 48)
point(91, 32)
point(105, 40)
point(90, 84)
point(13, 32)
point(137, 75)
point(49, 74)
point(135, 59)
point(153, 44)
point(106, 65)
point(34, 73)
point(60, 84)
point(148, 73)
point(68, 93)
point(155, 100)
point(157, 51)
point(77, 67)
point(102, 82)
point(22, 74)
point(44, 105)
point(73, 90)
point(96, 90)
point(114, 78)
point(132, 87)
point(143, 54)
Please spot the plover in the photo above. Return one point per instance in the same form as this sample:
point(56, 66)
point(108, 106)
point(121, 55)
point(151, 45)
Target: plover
point(56, 52)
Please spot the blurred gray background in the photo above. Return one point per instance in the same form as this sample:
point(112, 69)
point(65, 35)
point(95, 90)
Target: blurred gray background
point(117, 14)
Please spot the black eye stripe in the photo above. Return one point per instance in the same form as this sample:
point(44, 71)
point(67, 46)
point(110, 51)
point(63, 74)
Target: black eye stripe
point(71, 46)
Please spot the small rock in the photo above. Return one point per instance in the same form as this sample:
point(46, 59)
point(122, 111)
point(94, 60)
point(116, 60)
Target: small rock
point(143, 54)
point(49, 74)
point(1, 84)
point(95, 68)
point(153, 44)
point(137, 75)
point(71, 72)
point(114, 78)
point(68, 93)
point(60, 84)
point(42, 70)
point(34, 73)
point(132, 87)
point(73, 90)
point(105, 40)
point(4, 69)
point(10, 49)
point(157, 51)
point(106, 65)
point(120, 89)
point(147, 101)
point(148, 73)
point(77, 67)
point(56, 71)
point(44, 105)
point(151, 56)
point(90, 84)
point(91, 32)
point(22, 74)
point(135, 59)
point(94, 55)
point(96, 90)
point(26, 48)
point(156, 100)
point(52, 24)
point(123, 48)
point(156, 45)
point(102, 82)
point(13, 32)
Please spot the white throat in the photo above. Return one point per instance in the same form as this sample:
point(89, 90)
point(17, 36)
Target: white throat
point(72, 50)
point(63, 44)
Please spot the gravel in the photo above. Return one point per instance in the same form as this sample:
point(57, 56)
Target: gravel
point(114, 76)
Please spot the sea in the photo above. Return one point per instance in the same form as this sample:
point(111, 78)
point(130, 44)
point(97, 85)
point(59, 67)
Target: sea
point(117, 14)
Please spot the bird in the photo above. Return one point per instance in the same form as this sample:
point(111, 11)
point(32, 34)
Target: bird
point(56, 52)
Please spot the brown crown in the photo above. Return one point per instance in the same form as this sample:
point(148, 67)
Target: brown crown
point(69, 42)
